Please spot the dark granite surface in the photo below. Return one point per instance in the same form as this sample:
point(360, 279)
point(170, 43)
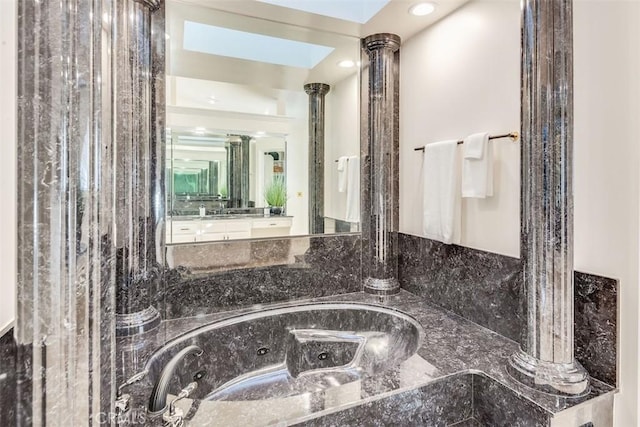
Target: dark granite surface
point(443, 402)
point(8, 378)
point(451, 345)
point(487, 289)
point(469, 422)
point(496, 405)
point(275, 270)
point(483, 287)
point(595, 314)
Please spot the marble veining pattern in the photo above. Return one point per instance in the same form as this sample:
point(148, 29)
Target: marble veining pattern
point(379, 154)
point(8, 378)
point(275, 270)
point(483, 287)
point(596, 321)
point(487, 289)
point(316, 92)
point(445, 402)
point(496, 405)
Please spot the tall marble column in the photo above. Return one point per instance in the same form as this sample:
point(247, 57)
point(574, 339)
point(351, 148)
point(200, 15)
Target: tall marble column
point(316, 92)
point(239, 171)
point(379, 165)
point(546, 359)
point(137, 166)
point(66, 194)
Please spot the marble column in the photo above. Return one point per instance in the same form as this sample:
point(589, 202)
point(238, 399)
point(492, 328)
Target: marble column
point(239, 171)
point(316, 92)
point(546, 359)
point(138, 165)
point(71, 106)
point(379, 165)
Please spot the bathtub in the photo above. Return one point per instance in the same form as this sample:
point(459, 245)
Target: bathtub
point(291, 361)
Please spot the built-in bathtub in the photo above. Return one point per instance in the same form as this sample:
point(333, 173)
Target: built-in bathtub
point(291, 361)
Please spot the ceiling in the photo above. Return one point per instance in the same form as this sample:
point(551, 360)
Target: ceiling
point(393, 18)
point(274, 21)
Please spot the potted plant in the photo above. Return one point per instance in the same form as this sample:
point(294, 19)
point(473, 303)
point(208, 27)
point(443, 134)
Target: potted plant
point(275, 194)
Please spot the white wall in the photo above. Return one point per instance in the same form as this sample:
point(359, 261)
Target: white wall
point(7, 162)
point(462, 76)
point(342, 138)
point(607, 130)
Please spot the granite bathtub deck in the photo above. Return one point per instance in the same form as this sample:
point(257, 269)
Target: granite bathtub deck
point(453, 349)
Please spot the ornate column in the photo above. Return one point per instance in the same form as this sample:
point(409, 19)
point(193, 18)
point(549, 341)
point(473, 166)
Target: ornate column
point(379, 165)
point(239, 171)
point(138, 165)
point(316, 92)
point(546, 361)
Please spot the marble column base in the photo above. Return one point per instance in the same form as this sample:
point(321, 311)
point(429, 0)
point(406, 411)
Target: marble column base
point(137, 323)
point(556, 379)
point(381, 286)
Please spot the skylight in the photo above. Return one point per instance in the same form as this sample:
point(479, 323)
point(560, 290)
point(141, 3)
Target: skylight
point(251, 46)
point(360, 11)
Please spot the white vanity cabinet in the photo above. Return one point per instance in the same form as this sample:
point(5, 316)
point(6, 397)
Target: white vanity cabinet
point(182, 231)
point(271, 227)
point(211, 230)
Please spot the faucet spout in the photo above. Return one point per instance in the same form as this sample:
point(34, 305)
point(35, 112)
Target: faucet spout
point(158, 399)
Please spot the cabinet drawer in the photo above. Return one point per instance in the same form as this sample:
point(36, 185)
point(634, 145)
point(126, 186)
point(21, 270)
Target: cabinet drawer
point(234, 235)
point(185, 227)
point(183, 238)
point(213, 227)
point(211, 237)
point(238, 226)
point(272, 223)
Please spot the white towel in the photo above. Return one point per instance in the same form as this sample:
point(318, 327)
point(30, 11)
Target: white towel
point(342, 174)
point(441, 198)
point(353, 189)
point(477, 166)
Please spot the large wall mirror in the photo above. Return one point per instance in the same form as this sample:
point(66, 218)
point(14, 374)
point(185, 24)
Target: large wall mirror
point(237, 159)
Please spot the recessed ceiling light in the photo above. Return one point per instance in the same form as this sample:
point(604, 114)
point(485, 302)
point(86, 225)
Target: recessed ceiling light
point(212, 99)
point(347, 63)
point(422, 9)
point(199, 130)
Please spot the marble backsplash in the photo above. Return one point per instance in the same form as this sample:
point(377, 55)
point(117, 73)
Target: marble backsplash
point(487, 288)
point(8, 378)
point(264, 271)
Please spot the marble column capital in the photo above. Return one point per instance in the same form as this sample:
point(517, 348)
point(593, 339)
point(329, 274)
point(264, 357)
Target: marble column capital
point(381, 41)
point(151, 4)
point(317, 89)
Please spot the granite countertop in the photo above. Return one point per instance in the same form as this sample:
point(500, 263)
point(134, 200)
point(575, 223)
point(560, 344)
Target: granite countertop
point(451, 345)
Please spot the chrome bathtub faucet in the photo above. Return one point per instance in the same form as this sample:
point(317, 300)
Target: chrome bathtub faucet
point(158, 399)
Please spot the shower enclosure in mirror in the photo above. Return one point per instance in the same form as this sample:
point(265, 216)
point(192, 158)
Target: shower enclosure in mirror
point(242, 160)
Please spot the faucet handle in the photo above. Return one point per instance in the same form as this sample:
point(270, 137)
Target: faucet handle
point(185, 392)
point(122, 403)
point(175, 419)
point(134, 379)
